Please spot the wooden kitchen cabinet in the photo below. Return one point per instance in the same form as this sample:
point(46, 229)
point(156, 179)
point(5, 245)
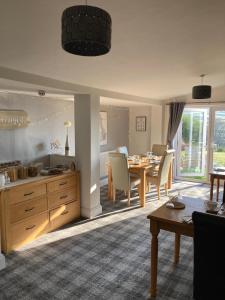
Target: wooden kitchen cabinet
point(37, 206)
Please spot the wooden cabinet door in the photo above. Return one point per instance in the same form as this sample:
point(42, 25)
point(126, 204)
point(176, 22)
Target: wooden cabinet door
point(27, 208)
point(64, 214)
point(27, 230)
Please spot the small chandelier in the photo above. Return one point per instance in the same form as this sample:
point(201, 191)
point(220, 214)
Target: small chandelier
point(86, 30)
point(201, 91)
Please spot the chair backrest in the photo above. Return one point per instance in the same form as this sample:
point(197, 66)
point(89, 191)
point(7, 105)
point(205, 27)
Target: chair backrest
point(165, 166)
point(123, 149)
point(120, 173)
point(158, 149)
point(209, 261)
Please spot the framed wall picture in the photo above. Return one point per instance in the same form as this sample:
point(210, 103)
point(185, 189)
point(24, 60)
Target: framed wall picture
point(141, 123)
point(103, 128)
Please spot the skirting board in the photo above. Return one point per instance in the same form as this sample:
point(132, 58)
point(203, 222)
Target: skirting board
point(91, 213)
point(103, 181)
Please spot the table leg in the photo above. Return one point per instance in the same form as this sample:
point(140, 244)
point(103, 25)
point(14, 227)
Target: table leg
point(224, 192)
point(217, 189)
point(143, 185)
point(110, 186)
point(154, 257)
point(211, 186)
point(177, 248)
point(170, 176)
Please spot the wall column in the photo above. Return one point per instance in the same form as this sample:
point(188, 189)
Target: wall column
point(87, 152)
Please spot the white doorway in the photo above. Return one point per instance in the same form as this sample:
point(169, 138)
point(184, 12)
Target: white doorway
point(200, 143)
point(192, 144)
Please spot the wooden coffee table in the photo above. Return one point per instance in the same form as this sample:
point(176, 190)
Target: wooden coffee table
point(170, 220)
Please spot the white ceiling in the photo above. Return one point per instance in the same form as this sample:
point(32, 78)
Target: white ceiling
point(159, 47)
point(15, 87)
point(21, 88)
point(120, 102)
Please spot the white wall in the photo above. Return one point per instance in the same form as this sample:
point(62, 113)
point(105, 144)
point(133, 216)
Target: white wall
point(141, 142)
point(117, 127)
point(104, 159)
point(156, 125)
point(47, 118)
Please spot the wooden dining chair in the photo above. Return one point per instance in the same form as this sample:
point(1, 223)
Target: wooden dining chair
point(122, 179)
point(158, 149)
point(160, 177)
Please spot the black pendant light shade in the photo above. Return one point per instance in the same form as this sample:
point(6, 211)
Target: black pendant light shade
point(86, 30)
point(201, 91)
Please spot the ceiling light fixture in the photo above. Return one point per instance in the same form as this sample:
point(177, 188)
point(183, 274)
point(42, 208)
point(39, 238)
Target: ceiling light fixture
point(41, 93)
point(86, 30)
point(201, 91)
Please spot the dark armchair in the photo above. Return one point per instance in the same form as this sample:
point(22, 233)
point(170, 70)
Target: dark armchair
point(209, 256)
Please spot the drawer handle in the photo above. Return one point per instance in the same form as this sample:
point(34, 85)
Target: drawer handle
point(29, 209)
point(31, 227)
point(64, 213)
point(28, 194)
point(63, 197)
point(63, 183)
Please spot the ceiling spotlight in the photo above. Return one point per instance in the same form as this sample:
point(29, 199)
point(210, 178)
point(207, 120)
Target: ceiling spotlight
point(41, 93)
point(201, 91)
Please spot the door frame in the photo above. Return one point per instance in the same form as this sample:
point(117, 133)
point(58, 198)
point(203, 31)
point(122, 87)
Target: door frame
point(213, 110)
point(210, 136)
point(178, 146)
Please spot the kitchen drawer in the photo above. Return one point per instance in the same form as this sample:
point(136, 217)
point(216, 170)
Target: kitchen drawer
point(26, 192)
point(27, 208)
point(27, 230)
point(64, 214)
point(61, 197)
point(61, 184)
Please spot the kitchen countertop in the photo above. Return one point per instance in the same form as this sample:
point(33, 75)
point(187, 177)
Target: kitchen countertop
point(34, 179)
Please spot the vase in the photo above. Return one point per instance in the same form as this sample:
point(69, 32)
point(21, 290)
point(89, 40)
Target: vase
point(67, 148)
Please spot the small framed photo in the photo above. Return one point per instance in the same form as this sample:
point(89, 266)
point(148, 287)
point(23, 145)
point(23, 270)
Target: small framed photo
point(141, 123)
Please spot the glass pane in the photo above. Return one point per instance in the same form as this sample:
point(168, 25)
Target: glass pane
point(193, 144)
point(219, 140)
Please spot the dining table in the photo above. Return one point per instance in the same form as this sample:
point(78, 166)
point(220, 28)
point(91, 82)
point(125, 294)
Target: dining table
point(140, 168)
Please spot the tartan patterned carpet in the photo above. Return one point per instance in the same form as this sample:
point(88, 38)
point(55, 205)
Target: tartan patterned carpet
point(192, 189)
point(106, 258)
point(121, 200)
point(111, 262)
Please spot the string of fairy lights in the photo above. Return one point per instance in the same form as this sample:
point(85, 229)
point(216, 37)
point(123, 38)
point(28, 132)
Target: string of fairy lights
point(11, 118)
point(49, 117)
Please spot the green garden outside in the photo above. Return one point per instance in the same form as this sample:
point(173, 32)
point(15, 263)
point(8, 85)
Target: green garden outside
point(193, 158)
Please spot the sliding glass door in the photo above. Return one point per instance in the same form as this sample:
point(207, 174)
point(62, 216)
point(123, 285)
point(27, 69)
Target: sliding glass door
point(218, 139)
point(192, 144)
point(200, 143)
